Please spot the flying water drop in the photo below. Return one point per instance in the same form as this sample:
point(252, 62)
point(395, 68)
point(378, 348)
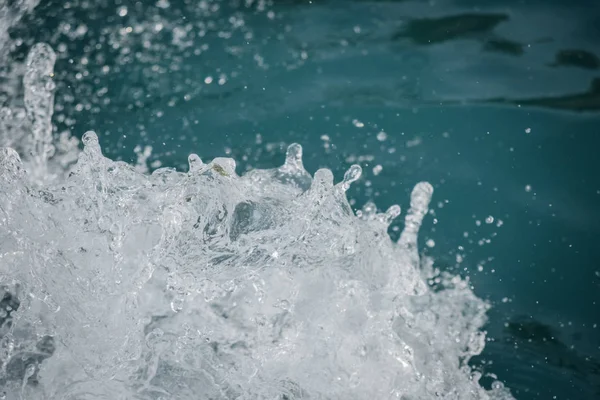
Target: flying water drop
point(352, 175)
point(392, 213)
point(419, 203)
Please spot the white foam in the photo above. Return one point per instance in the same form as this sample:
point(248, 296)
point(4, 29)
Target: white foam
point(206, 285)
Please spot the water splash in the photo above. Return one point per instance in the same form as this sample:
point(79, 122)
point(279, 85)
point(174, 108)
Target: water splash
point(121, 285)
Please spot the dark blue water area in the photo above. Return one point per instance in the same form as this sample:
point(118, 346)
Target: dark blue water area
point(497, 104)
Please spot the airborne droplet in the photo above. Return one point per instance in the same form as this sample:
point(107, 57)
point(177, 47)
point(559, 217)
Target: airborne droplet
point(419, 203)
point(352, 175)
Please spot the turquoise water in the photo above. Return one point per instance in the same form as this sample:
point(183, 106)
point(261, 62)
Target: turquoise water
point(495, 106)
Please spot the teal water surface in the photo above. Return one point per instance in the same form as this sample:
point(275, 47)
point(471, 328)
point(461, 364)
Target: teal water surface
point(498, 106)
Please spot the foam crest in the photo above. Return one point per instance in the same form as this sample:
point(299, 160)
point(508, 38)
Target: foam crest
point(293, 158)
point(195, 163)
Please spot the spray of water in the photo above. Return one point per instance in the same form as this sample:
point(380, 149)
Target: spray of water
point(117, 284)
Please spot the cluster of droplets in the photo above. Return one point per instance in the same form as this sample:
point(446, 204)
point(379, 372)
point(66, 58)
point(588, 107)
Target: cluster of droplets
point(157, 46)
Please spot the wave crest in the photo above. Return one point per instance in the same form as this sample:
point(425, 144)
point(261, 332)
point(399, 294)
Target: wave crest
point(206, 284)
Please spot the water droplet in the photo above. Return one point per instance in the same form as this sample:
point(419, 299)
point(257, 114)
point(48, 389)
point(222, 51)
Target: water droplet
point(358, 123)
point(352, 175)
point(419, 203)
point(368, 210)
point(293, 157)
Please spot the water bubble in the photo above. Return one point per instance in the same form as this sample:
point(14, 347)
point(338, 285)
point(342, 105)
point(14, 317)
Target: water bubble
point(497, 385)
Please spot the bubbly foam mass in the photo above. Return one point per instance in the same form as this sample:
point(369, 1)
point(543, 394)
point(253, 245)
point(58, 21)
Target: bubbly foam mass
point(116, 284)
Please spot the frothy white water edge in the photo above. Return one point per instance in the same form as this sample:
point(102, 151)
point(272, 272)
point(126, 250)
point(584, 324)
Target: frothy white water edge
point(209, 285)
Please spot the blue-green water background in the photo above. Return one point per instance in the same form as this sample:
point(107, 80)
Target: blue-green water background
point(493, 104)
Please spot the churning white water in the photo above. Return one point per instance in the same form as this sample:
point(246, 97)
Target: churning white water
point(206, 285)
